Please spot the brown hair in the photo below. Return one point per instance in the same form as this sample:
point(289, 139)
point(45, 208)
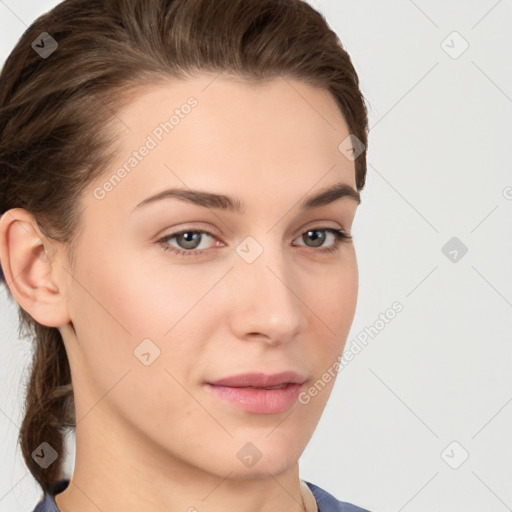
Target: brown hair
point(54, 114)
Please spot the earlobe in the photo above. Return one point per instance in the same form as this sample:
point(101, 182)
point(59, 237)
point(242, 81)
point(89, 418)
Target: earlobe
point(26, 256)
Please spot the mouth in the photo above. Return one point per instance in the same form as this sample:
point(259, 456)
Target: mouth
point(259, 393)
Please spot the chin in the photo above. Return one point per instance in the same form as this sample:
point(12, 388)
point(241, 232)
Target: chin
point(263, 469)
point(272, 456)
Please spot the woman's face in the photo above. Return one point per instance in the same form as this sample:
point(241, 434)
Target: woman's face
point(150, 330)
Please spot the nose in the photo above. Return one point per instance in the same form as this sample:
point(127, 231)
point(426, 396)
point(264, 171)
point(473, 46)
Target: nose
point(266, 302)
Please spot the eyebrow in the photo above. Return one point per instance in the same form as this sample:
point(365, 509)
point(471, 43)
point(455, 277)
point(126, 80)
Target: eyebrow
point(233, 204)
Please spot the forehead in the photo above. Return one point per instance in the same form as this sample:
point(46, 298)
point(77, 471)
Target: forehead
point(278, 114)
point(211, 132)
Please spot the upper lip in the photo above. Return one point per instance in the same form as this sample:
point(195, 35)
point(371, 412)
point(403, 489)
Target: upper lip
point(261, 380)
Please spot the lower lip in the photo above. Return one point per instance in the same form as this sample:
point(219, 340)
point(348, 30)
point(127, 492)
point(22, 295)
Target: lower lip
point(259, 400)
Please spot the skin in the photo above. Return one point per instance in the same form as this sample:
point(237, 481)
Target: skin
point(145, 433)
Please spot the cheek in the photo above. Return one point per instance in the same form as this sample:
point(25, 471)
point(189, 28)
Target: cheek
point(138, 300)
point(333, 304)
point(130, 314)
point(110, 312)
point(124, 356)
point(334, 297)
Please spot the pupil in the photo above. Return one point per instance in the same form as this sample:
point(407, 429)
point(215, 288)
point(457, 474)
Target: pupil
point(318, 240)
point(192, 242)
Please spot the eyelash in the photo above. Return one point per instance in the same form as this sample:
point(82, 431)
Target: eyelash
point(340, 234)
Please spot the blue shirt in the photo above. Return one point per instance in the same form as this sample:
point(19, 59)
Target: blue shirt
point(325, 501)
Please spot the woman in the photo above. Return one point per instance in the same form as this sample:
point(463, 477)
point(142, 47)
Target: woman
point(178, 182)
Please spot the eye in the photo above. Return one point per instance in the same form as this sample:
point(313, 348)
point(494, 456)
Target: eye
point(339, 236)
point(189, 240)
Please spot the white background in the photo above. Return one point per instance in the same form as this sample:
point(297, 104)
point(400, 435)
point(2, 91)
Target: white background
point(438, 167)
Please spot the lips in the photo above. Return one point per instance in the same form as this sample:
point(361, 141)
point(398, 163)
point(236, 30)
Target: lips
point(261, 380)
point(259, 392)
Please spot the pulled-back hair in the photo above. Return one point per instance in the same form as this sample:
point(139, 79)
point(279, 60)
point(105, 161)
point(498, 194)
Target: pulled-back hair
point(55, 110)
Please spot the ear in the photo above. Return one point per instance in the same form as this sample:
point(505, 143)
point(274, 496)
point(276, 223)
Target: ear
point(26, 255)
